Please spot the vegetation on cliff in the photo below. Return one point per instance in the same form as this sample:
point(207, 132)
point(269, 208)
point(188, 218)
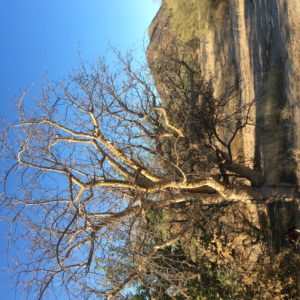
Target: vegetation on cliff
point(189, 18)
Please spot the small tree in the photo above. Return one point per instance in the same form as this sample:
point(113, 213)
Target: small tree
point(100, 154)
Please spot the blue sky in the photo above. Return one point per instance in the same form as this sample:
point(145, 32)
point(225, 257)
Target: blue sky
point(41, 37)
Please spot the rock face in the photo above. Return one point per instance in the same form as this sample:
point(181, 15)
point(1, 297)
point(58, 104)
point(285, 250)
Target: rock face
point(254, 45)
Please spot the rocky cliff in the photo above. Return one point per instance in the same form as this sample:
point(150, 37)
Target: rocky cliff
point(253, 46)
point(254, 43)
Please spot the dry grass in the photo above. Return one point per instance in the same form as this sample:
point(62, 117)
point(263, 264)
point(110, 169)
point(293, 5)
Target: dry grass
point(188, 17)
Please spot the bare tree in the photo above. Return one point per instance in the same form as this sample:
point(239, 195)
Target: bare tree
point(101, 152)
